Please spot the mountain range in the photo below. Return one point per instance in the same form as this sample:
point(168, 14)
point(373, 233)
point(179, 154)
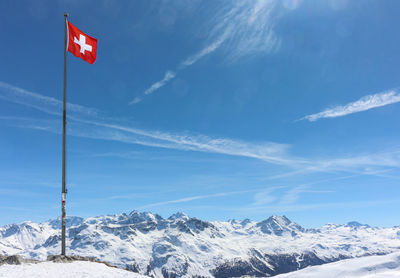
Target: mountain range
point(183, 246)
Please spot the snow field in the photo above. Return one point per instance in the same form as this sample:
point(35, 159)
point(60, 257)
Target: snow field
point(387, 266)
point(65, 270)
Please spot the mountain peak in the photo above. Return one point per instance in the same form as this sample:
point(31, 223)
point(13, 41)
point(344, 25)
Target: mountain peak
point(137, 217)
point(279, 218)
point(355, 224)
point(243, 222)
point(277, 225)
point(69, 221)
point(179, 215)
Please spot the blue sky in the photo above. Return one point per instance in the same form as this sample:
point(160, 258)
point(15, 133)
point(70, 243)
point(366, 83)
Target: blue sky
point(220, 109)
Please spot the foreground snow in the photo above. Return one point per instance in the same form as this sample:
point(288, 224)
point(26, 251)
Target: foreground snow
point(65, 270)
point(387, 266)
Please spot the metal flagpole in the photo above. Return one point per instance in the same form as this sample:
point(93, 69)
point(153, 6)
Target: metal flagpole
point(64, 189)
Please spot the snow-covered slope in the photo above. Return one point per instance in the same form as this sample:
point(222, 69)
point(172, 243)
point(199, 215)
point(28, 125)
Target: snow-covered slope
point(387, 266)
point(65, 270)
point(181, 246)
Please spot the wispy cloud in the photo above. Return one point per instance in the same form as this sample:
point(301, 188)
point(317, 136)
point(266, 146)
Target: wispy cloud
point(167, 76)
point(136, 100)
point(247, 27)
point(268, 151)
point(390, 158)
point(205, 51)
point(282, 208)
point(240, 27)
point(293, 194)
point(86, 122)
point(40, 102)
point(312, 206)
point(363, 104)
point(265, 196)
point(93, 126)
point(273, 153)
point(193, 198)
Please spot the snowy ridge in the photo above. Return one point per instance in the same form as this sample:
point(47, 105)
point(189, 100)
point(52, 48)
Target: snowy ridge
point(365, 267)
point(182, 246)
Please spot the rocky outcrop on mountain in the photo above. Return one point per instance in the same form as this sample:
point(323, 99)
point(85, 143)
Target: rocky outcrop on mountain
point(14, 259)
point(266, 265)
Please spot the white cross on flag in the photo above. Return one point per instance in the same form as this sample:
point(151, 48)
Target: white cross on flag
point(81, 45)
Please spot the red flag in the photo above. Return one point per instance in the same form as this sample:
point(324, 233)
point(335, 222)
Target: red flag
point(81, 45)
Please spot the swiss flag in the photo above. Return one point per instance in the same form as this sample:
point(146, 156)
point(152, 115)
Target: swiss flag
point(81, 45)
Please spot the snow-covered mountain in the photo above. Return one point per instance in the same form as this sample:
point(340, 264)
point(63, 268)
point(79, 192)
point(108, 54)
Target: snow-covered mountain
point(181, 246)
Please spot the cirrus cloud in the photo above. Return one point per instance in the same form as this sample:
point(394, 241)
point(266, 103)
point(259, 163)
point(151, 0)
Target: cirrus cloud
point(363, 104)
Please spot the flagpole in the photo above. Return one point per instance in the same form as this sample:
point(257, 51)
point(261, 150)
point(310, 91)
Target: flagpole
point(64, 189)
